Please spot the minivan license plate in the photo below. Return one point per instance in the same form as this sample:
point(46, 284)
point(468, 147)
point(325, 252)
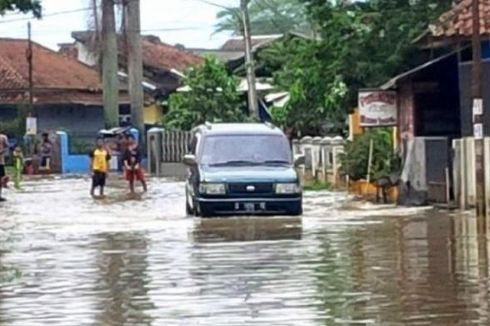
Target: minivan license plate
point(249, 207)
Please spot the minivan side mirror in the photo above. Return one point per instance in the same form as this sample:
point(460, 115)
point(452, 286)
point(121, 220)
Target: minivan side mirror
point(190, 160)
point(299, 160)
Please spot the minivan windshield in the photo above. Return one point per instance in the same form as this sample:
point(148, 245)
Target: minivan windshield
point(245, 150)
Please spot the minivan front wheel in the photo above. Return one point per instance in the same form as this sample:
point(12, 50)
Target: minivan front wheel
point(188, 209)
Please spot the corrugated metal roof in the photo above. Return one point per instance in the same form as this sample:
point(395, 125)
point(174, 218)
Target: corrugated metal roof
point(392, 83)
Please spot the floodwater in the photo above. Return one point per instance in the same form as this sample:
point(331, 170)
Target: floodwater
point(66, 259)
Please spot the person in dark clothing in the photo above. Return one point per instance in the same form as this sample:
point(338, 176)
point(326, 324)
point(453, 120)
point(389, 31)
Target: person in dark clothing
point(132, 165)
point(4, 148)
point(46, 153)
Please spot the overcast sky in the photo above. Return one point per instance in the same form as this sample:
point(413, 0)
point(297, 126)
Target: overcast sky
point(192, 22)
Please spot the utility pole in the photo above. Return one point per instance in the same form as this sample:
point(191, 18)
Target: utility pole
point(249, 60)
point(110, 65)
point(97, 44)
point(29, 62)
point(135, 64)
point(478, 115)
point(95, 12)
point(30, 113)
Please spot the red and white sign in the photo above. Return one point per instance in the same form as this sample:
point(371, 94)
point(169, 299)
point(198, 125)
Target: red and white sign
point(378, 108)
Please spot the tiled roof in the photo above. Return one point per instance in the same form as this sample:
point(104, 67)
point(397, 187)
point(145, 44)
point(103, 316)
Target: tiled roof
point(56, 78)
point(459, 21)
point(69, 49)
point(156, 54)
point(50, 69)
point(49, 97)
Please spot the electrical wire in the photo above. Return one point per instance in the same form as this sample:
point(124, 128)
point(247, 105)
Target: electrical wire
point(53, 14)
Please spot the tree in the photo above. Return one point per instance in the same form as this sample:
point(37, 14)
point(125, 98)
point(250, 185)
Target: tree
point(212, 96)
point(315, 87)
point(361, 45)
point(378, 36)
point(23, 6)
point(267, 17)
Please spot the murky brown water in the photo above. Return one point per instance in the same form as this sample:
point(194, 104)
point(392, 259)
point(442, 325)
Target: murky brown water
point(67, 260)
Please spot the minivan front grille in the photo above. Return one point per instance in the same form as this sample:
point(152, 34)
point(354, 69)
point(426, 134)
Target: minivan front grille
point(250, 189)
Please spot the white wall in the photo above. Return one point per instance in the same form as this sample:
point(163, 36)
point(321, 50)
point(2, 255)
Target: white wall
point(84, 55)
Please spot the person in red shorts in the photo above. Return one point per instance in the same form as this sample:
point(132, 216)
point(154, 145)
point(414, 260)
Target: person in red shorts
point(132, 165)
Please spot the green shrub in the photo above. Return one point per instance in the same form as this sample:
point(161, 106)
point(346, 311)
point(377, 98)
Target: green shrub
point(317, 186)
point(356, 156)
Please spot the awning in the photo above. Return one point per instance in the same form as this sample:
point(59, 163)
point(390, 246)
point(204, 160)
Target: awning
point(278, 100)
point(392, 83)
point(259, 86)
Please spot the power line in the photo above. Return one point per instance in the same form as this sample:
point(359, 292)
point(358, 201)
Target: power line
point(59, 13)
point(156, 29)
point(65, 12)
point(215, 4)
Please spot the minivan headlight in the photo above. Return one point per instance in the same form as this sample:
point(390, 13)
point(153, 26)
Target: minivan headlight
point(288, 188)
point(212, 189)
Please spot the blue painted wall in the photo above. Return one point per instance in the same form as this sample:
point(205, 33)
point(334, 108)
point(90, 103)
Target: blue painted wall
point(72, 164)
point(77, 164)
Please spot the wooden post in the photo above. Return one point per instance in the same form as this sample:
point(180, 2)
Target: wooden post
point(110, 65)
point(448, 192)
point(29, 61)
point(370, 162)
point(135, 65)
point(478, 114)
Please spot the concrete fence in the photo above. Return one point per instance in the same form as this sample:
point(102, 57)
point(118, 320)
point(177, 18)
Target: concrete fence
point(322, 158)
point(166, 149)
point(175, 144)
point(464, 175)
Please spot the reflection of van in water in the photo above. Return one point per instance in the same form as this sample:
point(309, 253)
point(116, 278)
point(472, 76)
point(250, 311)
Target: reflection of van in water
point(242, 169)
point(248, 229)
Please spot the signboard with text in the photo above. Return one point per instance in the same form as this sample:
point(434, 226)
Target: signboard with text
point(31, 126)
point(378, 108)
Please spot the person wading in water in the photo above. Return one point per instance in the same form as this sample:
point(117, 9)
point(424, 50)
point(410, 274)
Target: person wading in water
point(4, 147)
point(99, 165)
point(132, 165)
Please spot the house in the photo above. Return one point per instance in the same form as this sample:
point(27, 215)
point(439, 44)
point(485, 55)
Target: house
point(435, 103)
point(164, 66)
point(234, 48)
point(435, 98)
point(232, 52)
point(67, 94)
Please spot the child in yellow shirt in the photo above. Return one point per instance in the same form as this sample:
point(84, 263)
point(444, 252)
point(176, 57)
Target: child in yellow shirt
point(99, 165)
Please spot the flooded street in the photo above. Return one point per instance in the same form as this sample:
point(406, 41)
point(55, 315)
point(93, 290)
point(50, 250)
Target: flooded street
point(66, 259)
